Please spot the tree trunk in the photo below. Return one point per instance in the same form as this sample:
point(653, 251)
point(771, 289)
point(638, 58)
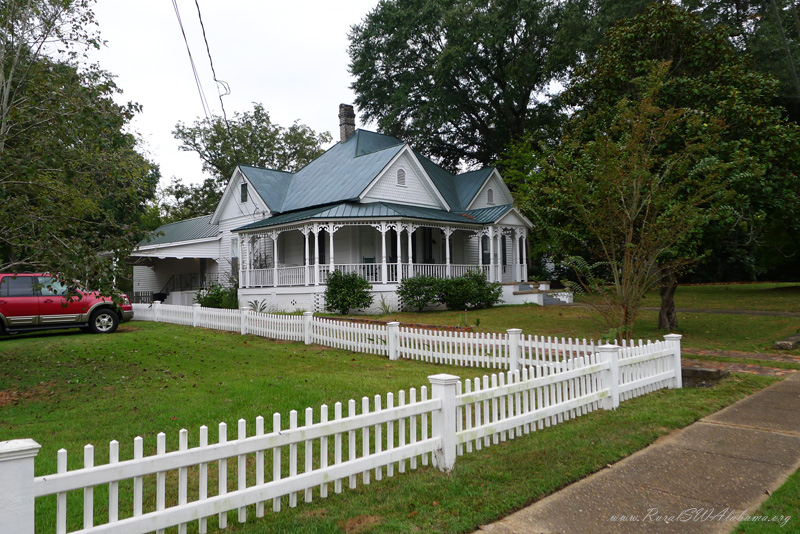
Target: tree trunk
point(667, 317)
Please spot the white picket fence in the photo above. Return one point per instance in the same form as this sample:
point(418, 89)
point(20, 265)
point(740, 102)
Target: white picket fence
point(558, 380)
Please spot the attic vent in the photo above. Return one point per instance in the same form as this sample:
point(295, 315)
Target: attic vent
point(401, 178)
point(490, 196)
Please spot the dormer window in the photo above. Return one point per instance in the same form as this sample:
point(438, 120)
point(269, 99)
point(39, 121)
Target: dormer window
point(401, 178)
point(490, 196)
point(244, 193)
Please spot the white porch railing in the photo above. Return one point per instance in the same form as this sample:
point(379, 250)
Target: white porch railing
point(372, 272)
point(260, 277)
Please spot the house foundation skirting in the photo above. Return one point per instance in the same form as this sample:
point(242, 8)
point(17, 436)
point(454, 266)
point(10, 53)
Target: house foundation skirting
point(311, 298)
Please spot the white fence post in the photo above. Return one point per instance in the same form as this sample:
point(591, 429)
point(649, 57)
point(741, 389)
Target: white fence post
point(392, 337)
point(156, 309)
point(514, 335)
point(443, 386)
point(674, 341)
point(16, 491)
point(307, 317)
point(196, 314)
point(610, 354)
point(245, 312)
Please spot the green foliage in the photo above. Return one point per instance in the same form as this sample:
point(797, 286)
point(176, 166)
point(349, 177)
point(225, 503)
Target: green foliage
point(346, 292)
point(258, 306)
point(73, 187)
point(469, 292)
point(708, 77)
point(418, 292)
point(249, 138)
point(459, 77)
point(219, 296)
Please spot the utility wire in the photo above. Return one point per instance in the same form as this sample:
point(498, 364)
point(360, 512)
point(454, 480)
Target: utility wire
point(219, 83)
point(203, 100)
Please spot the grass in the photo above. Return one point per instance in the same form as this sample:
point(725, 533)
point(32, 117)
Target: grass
point(67, 389)
point(784, 297)
point(785, 502)
point(746, 333)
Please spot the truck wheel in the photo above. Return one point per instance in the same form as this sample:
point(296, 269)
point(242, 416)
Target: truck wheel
point(103, 321)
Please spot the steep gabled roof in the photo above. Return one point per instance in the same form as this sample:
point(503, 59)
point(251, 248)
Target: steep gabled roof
point(469, 183)
point(342, 172)
point(271, 185)
point(186, 230)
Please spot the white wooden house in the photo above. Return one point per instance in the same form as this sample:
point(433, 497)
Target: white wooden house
point(370, 204)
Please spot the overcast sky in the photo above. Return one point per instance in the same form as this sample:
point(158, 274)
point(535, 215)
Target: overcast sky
point(289, 56)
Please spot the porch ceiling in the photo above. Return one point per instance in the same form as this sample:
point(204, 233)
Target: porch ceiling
point(373, 210)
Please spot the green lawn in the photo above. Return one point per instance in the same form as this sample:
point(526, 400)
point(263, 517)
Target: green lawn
point(783, 504)
point(756, 296)
point(67, 389)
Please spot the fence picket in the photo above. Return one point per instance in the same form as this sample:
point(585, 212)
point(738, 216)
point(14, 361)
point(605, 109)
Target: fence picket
point(561, 378)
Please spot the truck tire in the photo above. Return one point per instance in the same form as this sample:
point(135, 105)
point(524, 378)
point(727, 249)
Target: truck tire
point(103, 321)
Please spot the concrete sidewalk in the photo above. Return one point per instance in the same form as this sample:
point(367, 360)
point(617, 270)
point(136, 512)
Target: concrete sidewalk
point(699, 479)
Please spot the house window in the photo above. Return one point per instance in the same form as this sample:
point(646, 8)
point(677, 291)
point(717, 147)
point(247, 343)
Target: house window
point(401, 178)
point(244, 193)
point(234, 248)
point(490, 196)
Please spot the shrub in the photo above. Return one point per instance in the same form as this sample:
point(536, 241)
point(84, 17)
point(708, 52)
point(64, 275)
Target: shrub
point(218, 296)
point(417, 292)
point(346, 291)
point(471, 291)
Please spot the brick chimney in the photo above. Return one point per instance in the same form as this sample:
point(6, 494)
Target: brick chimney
point(347, 121)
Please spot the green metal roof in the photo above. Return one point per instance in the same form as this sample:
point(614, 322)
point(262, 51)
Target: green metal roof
point(187, 230)
point(488, 215)
point(341, 173)
point(372, 210)
point(444, 181)
point(271, 185)
point(344, 171)
point(469, 183)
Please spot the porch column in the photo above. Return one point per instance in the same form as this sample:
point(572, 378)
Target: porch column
point(399, 229)
point(385, 275)
point(492, 255)
point(316, 230)
point(447, 233)
point(330, 233)
point(274, 236)
point(410, 229)
point(480, 251)
point(306, 231)
point(524, 273)
point(515, 254)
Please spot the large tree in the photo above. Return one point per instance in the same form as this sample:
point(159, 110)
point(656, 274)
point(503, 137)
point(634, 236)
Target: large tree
point(624, 206)
point(249, 138)
point(706, 77)
point(72, 184)
point(461, 78)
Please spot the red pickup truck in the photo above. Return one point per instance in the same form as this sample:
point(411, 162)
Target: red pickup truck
point(39, 301)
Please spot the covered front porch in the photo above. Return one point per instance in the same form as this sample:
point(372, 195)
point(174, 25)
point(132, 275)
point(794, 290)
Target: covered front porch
point(381, 251)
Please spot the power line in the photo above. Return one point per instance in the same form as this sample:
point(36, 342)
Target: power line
point(203, 101)
point(219, 83)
